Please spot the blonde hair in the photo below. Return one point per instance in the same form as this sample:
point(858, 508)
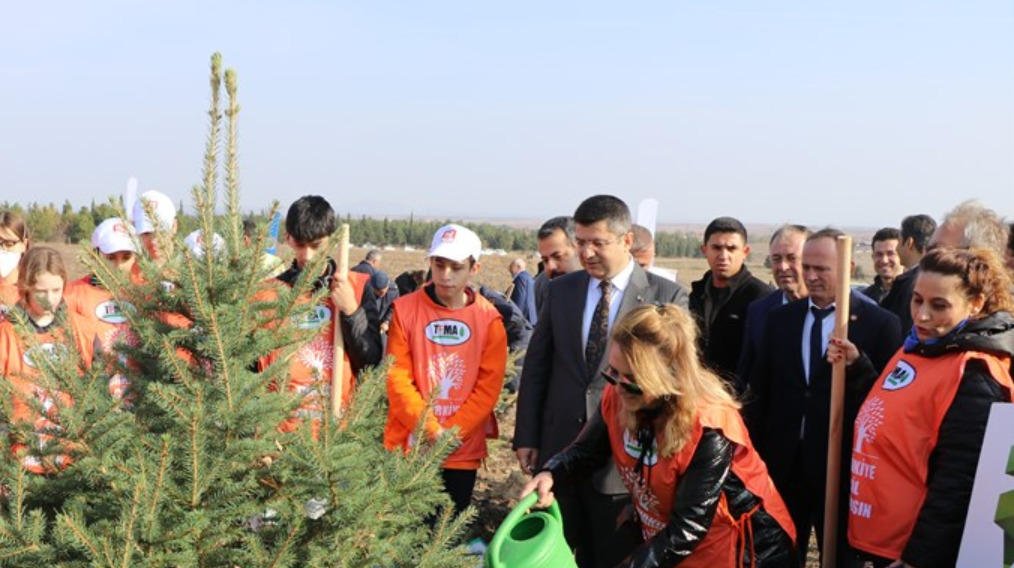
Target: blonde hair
point(660, 344)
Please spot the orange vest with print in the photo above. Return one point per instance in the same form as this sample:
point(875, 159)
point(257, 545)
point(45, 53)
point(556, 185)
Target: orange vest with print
point(19, 369)
point(311, 367)
point(446, 348)
point(895, 433)
point(98, 307)
point(653, 497)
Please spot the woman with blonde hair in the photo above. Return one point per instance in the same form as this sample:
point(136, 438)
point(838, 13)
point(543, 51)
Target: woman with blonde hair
point(701, 493)
point(919, 433)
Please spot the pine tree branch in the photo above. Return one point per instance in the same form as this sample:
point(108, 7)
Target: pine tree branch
point(80, 533)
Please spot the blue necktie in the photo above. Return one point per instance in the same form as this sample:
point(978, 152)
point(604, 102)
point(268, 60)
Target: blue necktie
point(816, 339)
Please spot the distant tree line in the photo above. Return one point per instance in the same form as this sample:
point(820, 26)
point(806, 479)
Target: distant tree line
point(49, 223)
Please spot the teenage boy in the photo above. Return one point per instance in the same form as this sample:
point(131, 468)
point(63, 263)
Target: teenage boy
point(309, 225)
point(450, 353)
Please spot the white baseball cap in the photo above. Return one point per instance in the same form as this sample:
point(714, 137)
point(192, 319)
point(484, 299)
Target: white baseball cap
point(165, 212)
point(113, 235)
point(455, 243)
point(195, 242)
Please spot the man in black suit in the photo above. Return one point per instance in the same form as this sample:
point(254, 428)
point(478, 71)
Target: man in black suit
point(789, 398)
point(916, 232)
point(558, 253)
point(561, 382)
point(785, 254)
point(719, 300)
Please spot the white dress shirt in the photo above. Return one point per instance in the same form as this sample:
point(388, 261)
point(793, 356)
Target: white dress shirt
point(618, 284)
point(827, 329)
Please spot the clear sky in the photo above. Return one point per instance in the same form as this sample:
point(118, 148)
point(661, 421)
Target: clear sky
point(854, 113)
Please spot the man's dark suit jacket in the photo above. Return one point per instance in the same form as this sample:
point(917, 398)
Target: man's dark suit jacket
point(722, 341)
point(557, 394)
point(753, 335)
point(523, 295)
point(778, 397)
point(899, 299)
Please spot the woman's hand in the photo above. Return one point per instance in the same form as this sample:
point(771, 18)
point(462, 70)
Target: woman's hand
point(543, 483)
point(841, 350)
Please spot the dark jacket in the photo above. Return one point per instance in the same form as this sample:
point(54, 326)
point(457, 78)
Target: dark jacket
point(753, 334)
point(519, 331)
point(937, 533)
point(523, 294)
point(876, 291)
point(708, 476)
point(721, 334)
point(898, 301)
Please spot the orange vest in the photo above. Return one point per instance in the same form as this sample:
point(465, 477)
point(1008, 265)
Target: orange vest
point(311, 367)
point(98, 307)
point(18, 368)
point(8, 298)
point(654, 493)
point(446, 348)
point(895, 433)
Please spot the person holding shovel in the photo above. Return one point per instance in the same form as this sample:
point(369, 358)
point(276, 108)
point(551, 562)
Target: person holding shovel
point(700, 492)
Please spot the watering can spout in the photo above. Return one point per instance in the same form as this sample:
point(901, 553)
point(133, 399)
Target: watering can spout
point(530, 540)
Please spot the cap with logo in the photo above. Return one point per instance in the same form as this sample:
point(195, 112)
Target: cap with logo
point(195, 242)
point(163, 209)
point(455, 243)
point(113, 235)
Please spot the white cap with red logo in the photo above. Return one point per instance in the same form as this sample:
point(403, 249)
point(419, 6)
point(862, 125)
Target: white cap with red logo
point(165, 212)
point(113, 235)
point(455, 243)
point(195, 242)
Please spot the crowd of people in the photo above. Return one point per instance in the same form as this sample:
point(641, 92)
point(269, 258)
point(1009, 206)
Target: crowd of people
point(674, 426)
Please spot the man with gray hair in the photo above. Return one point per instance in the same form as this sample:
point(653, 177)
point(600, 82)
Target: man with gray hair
point(370, 263)
point(972, 225)
point(523, 290)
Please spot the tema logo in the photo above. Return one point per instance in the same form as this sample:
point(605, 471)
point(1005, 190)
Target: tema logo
point(448, 332)
point(315, 319)
point(902, 376)
point(110, 312)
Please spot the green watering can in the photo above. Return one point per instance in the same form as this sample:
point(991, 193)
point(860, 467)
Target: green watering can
point(533, 540)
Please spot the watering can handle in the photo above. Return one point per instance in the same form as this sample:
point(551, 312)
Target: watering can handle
point(493, 554)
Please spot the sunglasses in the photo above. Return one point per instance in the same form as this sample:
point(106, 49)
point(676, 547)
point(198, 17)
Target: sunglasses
point(613, 377)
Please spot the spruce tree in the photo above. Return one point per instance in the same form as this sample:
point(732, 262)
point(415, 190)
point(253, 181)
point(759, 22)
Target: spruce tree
point(189, 469)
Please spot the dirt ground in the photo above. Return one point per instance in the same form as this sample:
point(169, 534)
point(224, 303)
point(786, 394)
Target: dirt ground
point(500, 480)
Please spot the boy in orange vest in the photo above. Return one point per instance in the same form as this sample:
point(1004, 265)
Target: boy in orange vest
point(450, 353)
point(309, 224)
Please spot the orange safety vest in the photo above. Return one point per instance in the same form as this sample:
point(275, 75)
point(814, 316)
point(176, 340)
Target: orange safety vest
point(19, 369)
point(106, 315)
point(446, 349)
point(311, 367)
point(895, 433)
point(654, 492)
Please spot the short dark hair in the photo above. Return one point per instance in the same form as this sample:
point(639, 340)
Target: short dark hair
point(920, 229)
point(886, 234)
point(642, 238)
point(310, 218)
point(249, 227)
point(787, 228)
point(561, 223)
point(608, 208)
point(826, 233)
point(725, 225)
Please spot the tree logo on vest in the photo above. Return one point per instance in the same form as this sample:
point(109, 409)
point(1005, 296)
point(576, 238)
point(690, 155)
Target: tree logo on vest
point(42, 352)
point(110, 312)
point(902, 376)
point(315, 319)
point(448, 332)
point(633, 449)
point(318, 355)
point(870, 418)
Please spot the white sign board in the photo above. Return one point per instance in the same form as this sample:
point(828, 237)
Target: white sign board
point(982, 542)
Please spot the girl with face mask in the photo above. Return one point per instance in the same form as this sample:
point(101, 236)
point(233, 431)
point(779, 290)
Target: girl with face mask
point(14, 241)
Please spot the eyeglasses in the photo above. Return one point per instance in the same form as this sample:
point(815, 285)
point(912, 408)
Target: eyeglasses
point(597, 244)
point(8, 244)
point(613, 377)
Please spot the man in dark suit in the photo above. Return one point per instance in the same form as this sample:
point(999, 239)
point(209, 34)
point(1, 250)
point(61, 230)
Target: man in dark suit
point(370, 263)
point(916, 232)
point(719, 300)
point(523, 290)
point(789, 398)
point(561, 382)
point(558, 253)
point(785, 254)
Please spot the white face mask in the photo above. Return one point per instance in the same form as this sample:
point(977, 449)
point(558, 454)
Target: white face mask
point(8, 262)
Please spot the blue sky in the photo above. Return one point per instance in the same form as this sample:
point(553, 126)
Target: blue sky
point(852, 113)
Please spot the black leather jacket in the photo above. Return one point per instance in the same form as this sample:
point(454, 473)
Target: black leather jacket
point(707, 477)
